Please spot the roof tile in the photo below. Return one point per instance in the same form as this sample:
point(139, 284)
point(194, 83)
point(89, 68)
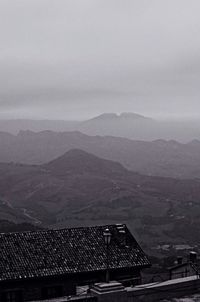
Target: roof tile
point(56, 252)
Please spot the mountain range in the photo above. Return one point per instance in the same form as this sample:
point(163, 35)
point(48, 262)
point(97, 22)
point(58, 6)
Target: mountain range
point(158, 158)
point(79, 188)
point(129, 125)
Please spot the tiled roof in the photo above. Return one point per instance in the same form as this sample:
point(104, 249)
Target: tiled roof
point(57, 252)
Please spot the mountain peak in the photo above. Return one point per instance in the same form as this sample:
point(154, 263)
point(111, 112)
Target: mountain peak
point(105, 116)
point(78, 161)
point(121, 116)
point(132, 115)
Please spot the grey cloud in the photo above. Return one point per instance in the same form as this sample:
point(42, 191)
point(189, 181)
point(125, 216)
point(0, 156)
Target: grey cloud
point(93, 56)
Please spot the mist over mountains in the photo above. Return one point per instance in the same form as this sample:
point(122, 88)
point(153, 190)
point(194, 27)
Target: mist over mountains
point(159, 157)
point(128, 125)
point(99, 125)
point(78, 188)
point(70, 178)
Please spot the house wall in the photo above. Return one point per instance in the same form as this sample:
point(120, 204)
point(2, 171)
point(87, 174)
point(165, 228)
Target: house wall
point(127, 277)
point(100, 276)
point(32, 289)
point(181, 272)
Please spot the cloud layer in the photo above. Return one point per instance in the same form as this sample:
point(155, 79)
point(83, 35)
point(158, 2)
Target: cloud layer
point(77, 58)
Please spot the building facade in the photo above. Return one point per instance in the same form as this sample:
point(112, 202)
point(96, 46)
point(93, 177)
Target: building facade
point(52, 263)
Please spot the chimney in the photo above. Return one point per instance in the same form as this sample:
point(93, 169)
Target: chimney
point(179, 260)
point(121, 233)
point(193, 257)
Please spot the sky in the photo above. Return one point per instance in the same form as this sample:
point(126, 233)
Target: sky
point(74, 59)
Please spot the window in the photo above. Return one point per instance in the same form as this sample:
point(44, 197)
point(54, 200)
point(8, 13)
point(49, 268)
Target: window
point(12, 296)
point(52, 292)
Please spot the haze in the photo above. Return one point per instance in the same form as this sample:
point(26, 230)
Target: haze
point(73, 59)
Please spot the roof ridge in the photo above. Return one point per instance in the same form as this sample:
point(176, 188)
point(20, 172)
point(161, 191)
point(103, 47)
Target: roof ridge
point(66, 251)
point(62, 229)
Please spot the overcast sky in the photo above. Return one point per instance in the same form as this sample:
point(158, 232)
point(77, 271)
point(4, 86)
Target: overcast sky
point(68, 59)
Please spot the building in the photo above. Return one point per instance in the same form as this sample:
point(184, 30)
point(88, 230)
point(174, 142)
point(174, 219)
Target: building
point(51, 263)
point(185, 268)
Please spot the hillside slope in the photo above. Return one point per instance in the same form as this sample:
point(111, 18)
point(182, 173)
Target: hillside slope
point(161, 158)
point(79, 189)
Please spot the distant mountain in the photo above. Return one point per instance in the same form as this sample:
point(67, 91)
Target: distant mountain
point(160, 157)
point(78, 161)
point(128, 125)
point(125, 124)
point(103, 117)
point(79, 188)
point(16, 125)
point(123, 116)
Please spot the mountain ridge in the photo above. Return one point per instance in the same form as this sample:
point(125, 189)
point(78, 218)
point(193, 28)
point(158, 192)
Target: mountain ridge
point(79, 161)
point(115, 116)
point(160, 157)
point(127, 124)
point(43, 193)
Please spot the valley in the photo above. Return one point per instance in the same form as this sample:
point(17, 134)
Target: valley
point(79, 188)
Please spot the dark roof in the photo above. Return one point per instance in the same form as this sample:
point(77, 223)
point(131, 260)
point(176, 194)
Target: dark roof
point(56, 252)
